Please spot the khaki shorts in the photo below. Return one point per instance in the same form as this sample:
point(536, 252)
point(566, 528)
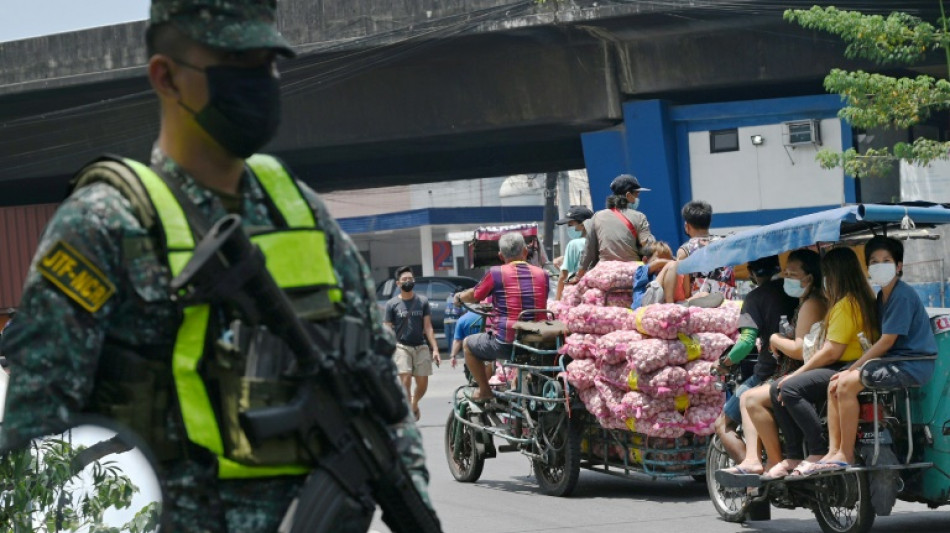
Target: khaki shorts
point(415, 360)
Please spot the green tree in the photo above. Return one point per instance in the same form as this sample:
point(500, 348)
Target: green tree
point(42, 489)
point(878, 101)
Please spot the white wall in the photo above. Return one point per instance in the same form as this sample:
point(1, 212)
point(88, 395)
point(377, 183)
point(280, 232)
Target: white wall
point(461, 193)
point(766, 176)
point(386, 253)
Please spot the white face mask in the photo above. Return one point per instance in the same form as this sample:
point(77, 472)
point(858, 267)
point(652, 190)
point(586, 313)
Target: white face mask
point(882, 273)
point(793, 287)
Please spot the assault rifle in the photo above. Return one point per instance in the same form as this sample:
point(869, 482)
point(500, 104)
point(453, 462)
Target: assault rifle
point(345, 395)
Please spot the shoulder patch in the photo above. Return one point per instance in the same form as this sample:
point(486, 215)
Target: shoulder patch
point(76, 276)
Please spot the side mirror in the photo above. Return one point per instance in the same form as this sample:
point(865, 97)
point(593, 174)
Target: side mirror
point(91, 477)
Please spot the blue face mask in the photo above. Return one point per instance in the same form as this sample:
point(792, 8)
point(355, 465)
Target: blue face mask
point(636, 204)
point(793, 287)
point(573, 233)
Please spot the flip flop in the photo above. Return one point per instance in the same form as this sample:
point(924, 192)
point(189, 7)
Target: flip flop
point(738, 471)
point(802, 469)
point(822, 467)
point(781, 473)
point(474, 400)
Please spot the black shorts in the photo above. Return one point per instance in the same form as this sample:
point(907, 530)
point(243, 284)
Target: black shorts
point(487, 347)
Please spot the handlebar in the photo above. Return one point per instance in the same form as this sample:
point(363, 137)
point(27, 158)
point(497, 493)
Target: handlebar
point(485, 310)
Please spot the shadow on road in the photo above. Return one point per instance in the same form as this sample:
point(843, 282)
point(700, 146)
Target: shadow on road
point(600, 486)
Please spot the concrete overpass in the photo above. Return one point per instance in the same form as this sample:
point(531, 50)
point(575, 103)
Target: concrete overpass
point(395, 91)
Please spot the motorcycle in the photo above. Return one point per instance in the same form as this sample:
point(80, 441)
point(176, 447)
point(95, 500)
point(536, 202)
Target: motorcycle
point(903, 440)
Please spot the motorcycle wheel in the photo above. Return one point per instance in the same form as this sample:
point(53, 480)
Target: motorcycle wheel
point(730, 503)
point(560, 439)
point(844, 503)
point(469, 465)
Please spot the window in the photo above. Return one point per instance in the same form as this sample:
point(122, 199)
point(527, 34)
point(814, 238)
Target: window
point(802, 132)
point(439, 291)
point(724, 141)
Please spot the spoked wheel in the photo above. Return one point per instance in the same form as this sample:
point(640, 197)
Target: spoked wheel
point(730, 503)
point(560, 441)
point(461, 451)
point(844, 503)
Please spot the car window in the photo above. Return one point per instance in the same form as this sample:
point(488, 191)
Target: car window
point(386, 290)
point(440, 291)
point(422, 288)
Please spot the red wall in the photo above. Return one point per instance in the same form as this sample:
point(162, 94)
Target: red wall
point(20, 230)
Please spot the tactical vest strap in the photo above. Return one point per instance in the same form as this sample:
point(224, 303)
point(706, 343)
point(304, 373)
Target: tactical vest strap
point(298, 259)
point(280, 184)
point(115, 172)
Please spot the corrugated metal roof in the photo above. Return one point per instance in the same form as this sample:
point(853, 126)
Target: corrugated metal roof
point(20, 229)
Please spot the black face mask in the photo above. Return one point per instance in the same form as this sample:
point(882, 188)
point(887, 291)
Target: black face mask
point(407, 286)
point(243, 109)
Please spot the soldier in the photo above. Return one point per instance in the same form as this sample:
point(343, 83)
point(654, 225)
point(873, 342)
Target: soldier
point(98, 331)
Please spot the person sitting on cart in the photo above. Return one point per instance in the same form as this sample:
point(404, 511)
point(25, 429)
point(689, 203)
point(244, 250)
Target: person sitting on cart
point(905, 332)
point(697, 218)
point(576, 220)
point(468, 324)
point(762, 311)
point(620, 232)
point(795, 397)
point(514, 287)
point(802, 280)
point(657, 256)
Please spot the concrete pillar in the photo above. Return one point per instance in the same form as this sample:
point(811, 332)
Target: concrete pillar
point(425, 242)
point(651, 143)
point(645, 146)
point(563, 204)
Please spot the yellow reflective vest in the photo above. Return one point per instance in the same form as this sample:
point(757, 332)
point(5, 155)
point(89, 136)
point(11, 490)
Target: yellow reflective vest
point(296, 257)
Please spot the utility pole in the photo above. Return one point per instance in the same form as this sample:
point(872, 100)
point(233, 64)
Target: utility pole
point(550, 212)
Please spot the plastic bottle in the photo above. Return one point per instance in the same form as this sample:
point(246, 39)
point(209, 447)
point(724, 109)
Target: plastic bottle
point(863, 340)
point(784, 325)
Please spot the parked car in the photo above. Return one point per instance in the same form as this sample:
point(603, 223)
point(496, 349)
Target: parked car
point(438, 290)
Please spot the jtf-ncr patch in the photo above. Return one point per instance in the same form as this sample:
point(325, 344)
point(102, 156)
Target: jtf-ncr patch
point(76, 276)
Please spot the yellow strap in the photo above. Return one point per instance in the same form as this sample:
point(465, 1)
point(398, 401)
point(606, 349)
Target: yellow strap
point(283, 191)
point(297, 258)
point(632, 424)
point(693, 349)
point(640, 319)
point(228, 469)
point(632, 380)
point(174, 224)
point(682, 402)
point(196, 410)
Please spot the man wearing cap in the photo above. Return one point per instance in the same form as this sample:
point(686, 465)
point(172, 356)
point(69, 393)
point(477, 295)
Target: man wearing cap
point(98, 330)
point(620, 232)
point(576, 220)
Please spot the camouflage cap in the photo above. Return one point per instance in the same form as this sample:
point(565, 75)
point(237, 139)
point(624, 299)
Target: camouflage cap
point(224, 24)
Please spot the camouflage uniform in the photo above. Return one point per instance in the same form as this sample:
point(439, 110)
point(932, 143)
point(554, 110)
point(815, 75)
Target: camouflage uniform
point(54, 351)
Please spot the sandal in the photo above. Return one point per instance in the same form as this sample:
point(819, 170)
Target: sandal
point(822, 467)
point(739, 471)
point(802, 468)
point(780, 471)
point(471, 397)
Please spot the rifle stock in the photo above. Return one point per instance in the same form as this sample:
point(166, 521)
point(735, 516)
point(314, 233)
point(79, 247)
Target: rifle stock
point(360, 458)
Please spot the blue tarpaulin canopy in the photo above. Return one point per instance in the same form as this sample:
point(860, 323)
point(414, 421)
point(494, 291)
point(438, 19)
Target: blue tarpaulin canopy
point(798, 232)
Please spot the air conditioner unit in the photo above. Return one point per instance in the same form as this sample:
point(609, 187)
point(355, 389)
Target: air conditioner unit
point(800, 132)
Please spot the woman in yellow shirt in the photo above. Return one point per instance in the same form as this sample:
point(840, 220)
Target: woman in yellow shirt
point(794, 397)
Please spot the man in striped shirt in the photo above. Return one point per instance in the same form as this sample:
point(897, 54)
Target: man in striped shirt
point(514, 287)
